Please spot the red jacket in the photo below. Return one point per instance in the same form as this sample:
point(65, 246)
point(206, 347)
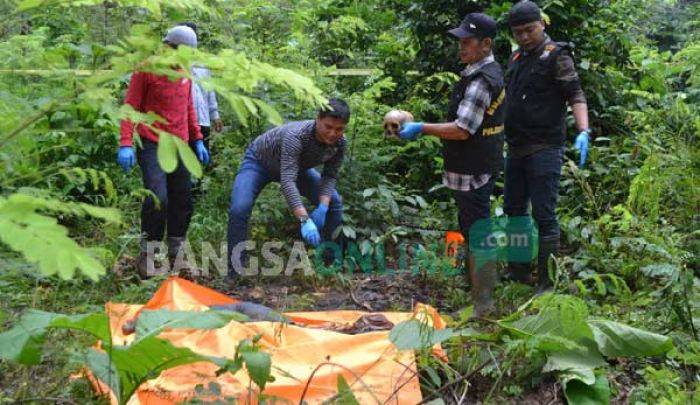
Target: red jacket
point(172, 100)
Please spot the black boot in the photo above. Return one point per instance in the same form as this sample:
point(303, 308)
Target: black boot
point(547, 249)
point(179, 263)
point(482, 270)
point(142, 266)
point(519, 273)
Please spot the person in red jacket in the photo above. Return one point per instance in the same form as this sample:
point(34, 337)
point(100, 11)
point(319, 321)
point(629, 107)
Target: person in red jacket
point(171, 100)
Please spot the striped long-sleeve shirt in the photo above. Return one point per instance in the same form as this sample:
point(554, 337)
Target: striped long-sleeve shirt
point(289, 149)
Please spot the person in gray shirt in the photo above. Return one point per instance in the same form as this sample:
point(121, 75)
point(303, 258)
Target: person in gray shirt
point(204, 101)
point(288, 154)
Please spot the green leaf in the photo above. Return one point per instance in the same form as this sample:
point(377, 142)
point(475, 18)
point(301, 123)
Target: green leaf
point(42, 240)
point(188, 157)
point(434, 376)
point(258, 365)
point(562, 316)
point(154, 322)
point(579, 393)
point(414, 335)
point(167, 152)
point(620, 340)
point(580, 363)
point(145, 359)
point(23, 343)
point(102, 367)
point(345, 395)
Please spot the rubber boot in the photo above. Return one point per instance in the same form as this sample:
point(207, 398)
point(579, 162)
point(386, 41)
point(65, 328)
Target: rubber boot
point(142, 265)
point(519, 273)
point(482, 270)
point(179, 264)
point(146, 264)
point(520, 256)
point(546, 250)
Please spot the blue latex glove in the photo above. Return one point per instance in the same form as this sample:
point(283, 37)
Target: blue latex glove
point(126, 157)
point(581, 145)
point(202, 152)
point(310, 233)
point(319, 216)
point(411, 130)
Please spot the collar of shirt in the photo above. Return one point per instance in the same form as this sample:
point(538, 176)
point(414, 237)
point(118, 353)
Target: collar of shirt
point(469, 69)
point(540, 47)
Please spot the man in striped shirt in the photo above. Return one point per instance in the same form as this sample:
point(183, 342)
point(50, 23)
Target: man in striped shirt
point(288, 154)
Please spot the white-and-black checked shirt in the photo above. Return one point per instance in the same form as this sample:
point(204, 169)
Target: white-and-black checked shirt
point(470, 115)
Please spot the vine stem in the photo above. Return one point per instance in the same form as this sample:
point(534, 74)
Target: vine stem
point(327, 363)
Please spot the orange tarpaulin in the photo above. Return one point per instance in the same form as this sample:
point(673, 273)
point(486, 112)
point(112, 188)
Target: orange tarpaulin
point(376, 371)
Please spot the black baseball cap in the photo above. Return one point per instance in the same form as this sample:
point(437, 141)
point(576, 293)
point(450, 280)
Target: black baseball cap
point(476, 25)
point(523, 13)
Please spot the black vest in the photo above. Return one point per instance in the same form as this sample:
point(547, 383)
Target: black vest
point(482, 152)
point(535, 105)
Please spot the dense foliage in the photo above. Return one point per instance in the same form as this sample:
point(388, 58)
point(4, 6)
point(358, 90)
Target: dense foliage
point(623, 323)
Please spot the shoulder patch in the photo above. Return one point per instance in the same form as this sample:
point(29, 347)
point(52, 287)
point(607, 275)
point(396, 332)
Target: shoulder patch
point(547, 51)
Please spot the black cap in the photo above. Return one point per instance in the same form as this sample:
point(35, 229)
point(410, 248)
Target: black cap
point(523, 13)
point(476, 25)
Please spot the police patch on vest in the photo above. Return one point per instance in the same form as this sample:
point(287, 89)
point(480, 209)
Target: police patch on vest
point(492, 131)
point(547, 50)
point(492, 108)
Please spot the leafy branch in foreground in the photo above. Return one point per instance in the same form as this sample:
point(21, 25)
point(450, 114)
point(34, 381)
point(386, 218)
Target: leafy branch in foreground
point(25, 228)
point(125, 368)
point(574, 344)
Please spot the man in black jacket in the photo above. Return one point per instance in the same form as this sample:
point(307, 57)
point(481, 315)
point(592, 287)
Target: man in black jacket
point(540, 81)
point(472, 149)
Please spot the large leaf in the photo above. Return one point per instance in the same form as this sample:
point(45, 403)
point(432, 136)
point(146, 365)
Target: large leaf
point(102, 368)
point(167, 152)
point(258, 365)
point(580, 363)
point(23, 343)
point(560, 324)
point(154, 322)
point(579, 393)
point(560, 315)
point(619, 340)
point(415, 335)
point(143, 360)
point(188, 157)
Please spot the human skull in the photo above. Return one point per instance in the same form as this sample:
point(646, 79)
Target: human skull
point(393, 121)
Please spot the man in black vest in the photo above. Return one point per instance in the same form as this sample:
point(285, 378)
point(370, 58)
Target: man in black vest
point(540, 81)
point(472, 142)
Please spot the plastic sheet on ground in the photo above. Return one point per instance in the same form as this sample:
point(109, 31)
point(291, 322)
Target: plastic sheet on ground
point(376, 371)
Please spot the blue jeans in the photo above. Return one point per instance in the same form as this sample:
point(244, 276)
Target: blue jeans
point(252, 177)
point(534, 179)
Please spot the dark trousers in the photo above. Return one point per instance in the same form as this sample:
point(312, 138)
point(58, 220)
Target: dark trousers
point(173, 209)
point(534, 180)
point(473, 207)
